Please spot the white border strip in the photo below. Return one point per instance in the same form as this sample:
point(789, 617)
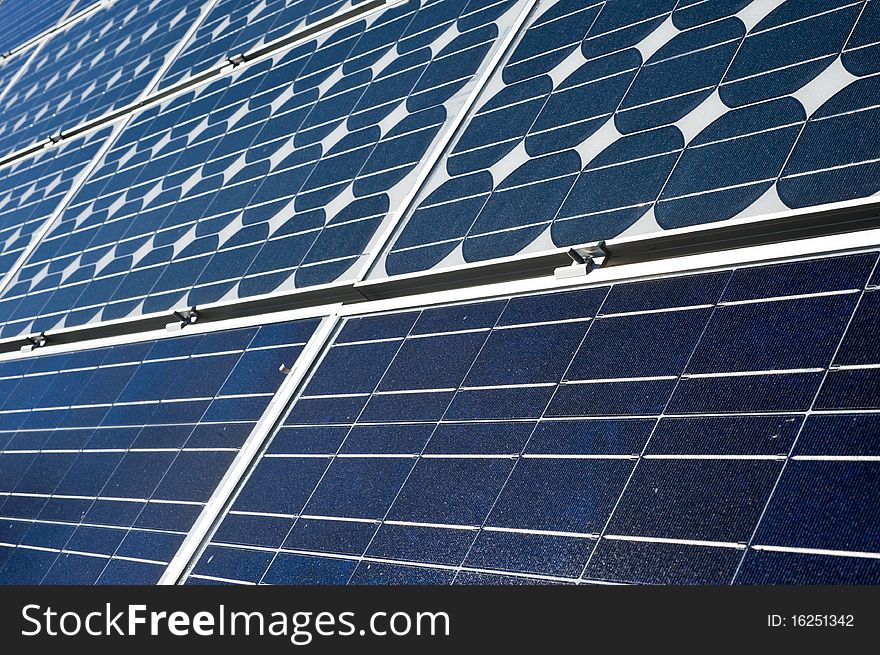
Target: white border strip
point(236, 473)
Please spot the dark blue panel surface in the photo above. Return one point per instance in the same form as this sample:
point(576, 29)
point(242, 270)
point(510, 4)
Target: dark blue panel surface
point(105, 485)
point(33, 189)
point(635, 434)
point(235, 27)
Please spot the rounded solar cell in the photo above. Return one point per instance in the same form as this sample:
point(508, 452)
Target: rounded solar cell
point(787, 49)
point(583, 102)
point(730, 164)
point(551, 38)
point(690, 13)
point(679, 76)
point(618, 187)
point(498, 125)
point(624, 23)
point(837, 156)
point(526, 199)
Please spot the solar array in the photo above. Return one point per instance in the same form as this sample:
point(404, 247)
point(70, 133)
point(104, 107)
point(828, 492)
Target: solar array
point(209, 163)
point(631, 118)
point(34, 189)
point(109, 455)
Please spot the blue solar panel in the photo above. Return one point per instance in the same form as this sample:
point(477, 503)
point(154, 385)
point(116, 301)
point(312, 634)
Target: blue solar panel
point(22, 20)
point(108, 455)
point(685, 429)
point(237, 26)
point(618, 118)
point(273, 178)
point(32, 189)
point(100, 63)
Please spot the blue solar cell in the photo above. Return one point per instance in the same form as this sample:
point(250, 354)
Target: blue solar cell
point(309, 570)
point(764, 568)
point(725, 435)
point(551, 555)
point(679, 76)
point(786, 334)
point(590, 437)
point(454, 491)
point(114, 486)
point(566, 495)
point(617, 187)
point(840, 435)
point(690, 13)
point(804, 277)
point(836, 156)
point(554, 35)
point(639, 345)
point(787, 49)
point(421, 544)
point(757, 392)
point(672, 499)
point(824, 504)
point(623, 24)
point(373, 573)
point(272, 178)
point(642, 562)
point(96, 65)
point(731, 163)
point(860, 53)
point(518, 355)
point(359, 488)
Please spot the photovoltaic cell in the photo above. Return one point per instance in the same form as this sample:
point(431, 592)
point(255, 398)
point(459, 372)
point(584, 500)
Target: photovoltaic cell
point(618, 119)
point(98, 64)
point(693, 429)
point(32, 189)
point(270, 179)
point(22, 20)
point(237, 26)
point(107, 456)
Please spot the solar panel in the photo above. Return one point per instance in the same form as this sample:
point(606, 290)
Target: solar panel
point(95, 65)
point(33, 189)
point(271, 179)
point(709, 428)
point(108, 455)
point(237, 26)
point(618, 118)
point(22, 20)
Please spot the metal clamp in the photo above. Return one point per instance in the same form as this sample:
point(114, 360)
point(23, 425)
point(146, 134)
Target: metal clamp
point(583, 260)
point(185, 317)
point(34, 342)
